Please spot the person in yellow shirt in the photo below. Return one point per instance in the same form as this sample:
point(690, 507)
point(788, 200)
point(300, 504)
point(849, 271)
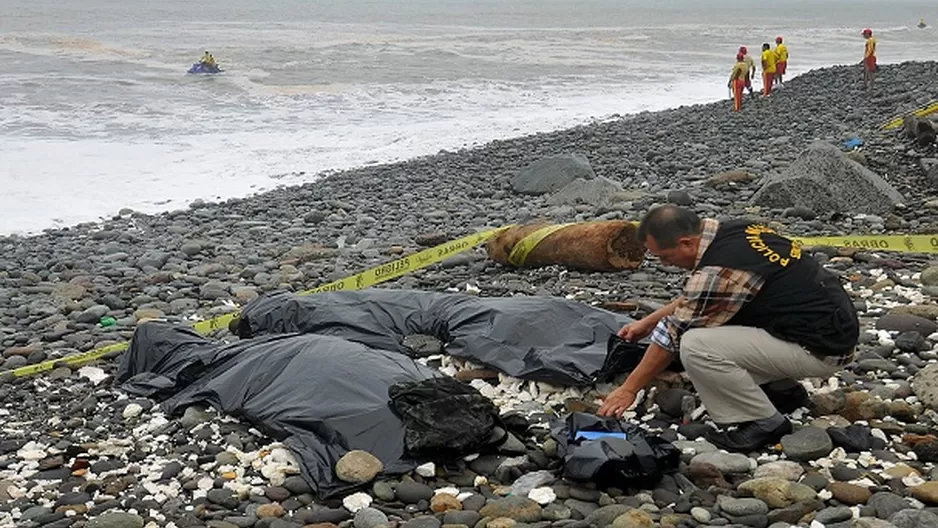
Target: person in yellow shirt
point(768, 69)
point(738, 78)
point(751, 65)
point(781, 60)
point(869, 59)
point(208, 59)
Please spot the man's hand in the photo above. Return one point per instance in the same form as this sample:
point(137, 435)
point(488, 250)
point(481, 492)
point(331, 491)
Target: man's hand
point(617, 402)
point(637, 329)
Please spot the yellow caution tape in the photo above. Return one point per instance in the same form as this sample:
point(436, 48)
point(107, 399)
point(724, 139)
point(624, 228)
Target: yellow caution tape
point(900, 243)
point(365, 279)
point(524, 247)
point(422, 259)
point(921, 111)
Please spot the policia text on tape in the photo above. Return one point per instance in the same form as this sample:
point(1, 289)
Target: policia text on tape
point(427, 257)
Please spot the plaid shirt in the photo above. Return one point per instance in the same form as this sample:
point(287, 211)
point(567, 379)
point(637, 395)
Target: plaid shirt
point(712, 296)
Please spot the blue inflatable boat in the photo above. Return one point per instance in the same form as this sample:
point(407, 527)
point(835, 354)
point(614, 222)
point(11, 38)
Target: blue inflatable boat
point(201, 67)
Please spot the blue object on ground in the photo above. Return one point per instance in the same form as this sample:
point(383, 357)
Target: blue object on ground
point(596, 435)
point(853, 143)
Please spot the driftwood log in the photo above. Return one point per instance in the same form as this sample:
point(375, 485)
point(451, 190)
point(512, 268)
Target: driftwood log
point(591, 246)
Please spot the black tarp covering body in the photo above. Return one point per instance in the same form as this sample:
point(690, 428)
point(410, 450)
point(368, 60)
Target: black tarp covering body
point(316, 370)
point(638, 461)
point(534, 338)
point(320, 395)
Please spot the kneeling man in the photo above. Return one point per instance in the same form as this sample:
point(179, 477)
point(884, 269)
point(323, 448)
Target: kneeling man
point(754, 310)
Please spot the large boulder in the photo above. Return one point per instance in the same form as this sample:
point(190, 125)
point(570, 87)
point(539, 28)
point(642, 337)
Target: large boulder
point(824, 179)
point(925, 386)
point(921, 130)
point(551, 174)
point(597, 191)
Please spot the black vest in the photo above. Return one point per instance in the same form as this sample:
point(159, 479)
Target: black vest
point(800, 302)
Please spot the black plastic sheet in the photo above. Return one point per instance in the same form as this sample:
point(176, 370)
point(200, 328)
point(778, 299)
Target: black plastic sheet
point(315, 371)
point(320, 395)
point(534, 338)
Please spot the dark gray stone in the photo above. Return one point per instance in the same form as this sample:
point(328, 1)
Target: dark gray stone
point(806, 444)
point(823, 178)
point(551, 174)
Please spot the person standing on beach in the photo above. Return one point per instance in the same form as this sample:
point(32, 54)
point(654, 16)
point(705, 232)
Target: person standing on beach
point(750, 65)
point(738, 78)
point(754, 310)
point(869, 59)
point(768, 69)
point(781, 60)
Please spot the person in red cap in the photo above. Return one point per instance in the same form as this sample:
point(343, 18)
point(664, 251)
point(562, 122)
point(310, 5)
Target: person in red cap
point(869, 59)
point(738, 78)
point(781, 60)
point(751, 64)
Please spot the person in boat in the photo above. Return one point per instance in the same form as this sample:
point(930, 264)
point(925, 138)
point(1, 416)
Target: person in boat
point(208, 60)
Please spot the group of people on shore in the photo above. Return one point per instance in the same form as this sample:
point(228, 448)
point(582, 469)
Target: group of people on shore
point(775, 64)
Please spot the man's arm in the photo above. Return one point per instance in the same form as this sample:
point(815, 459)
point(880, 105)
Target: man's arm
point(711, 297)
point(665, 310)
point(655, 360)
point(638, 329)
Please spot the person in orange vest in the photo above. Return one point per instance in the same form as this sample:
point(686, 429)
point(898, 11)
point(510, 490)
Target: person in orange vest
point(869, 59)
point(751, 65)
point(738, 78)
point(781, 60)
point(768, 69)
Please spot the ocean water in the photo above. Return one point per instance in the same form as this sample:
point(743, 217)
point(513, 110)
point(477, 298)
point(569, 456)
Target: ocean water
point(97, 112)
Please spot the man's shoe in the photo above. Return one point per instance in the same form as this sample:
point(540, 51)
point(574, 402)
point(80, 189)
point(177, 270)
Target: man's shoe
point(749, 436)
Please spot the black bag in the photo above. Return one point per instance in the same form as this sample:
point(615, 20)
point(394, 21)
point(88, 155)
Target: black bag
point(444, 417)
point(638, 461)
point(623, 356)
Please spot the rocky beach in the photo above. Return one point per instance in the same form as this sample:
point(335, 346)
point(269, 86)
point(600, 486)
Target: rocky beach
point(75, 451)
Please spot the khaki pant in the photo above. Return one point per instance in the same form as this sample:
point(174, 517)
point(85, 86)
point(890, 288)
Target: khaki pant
point(728, 363)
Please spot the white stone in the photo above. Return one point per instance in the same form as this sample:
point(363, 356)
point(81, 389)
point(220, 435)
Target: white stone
point(447, 491)
point(825, 495)
point(427, 470)
point(913, 480)
point(31, 451)
point(866, 459)
point(480, 481)
point(132, 411)
point(356, 502)
point(542, 496)
point(94, 374)
point(878, 433)
point(700, 515)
